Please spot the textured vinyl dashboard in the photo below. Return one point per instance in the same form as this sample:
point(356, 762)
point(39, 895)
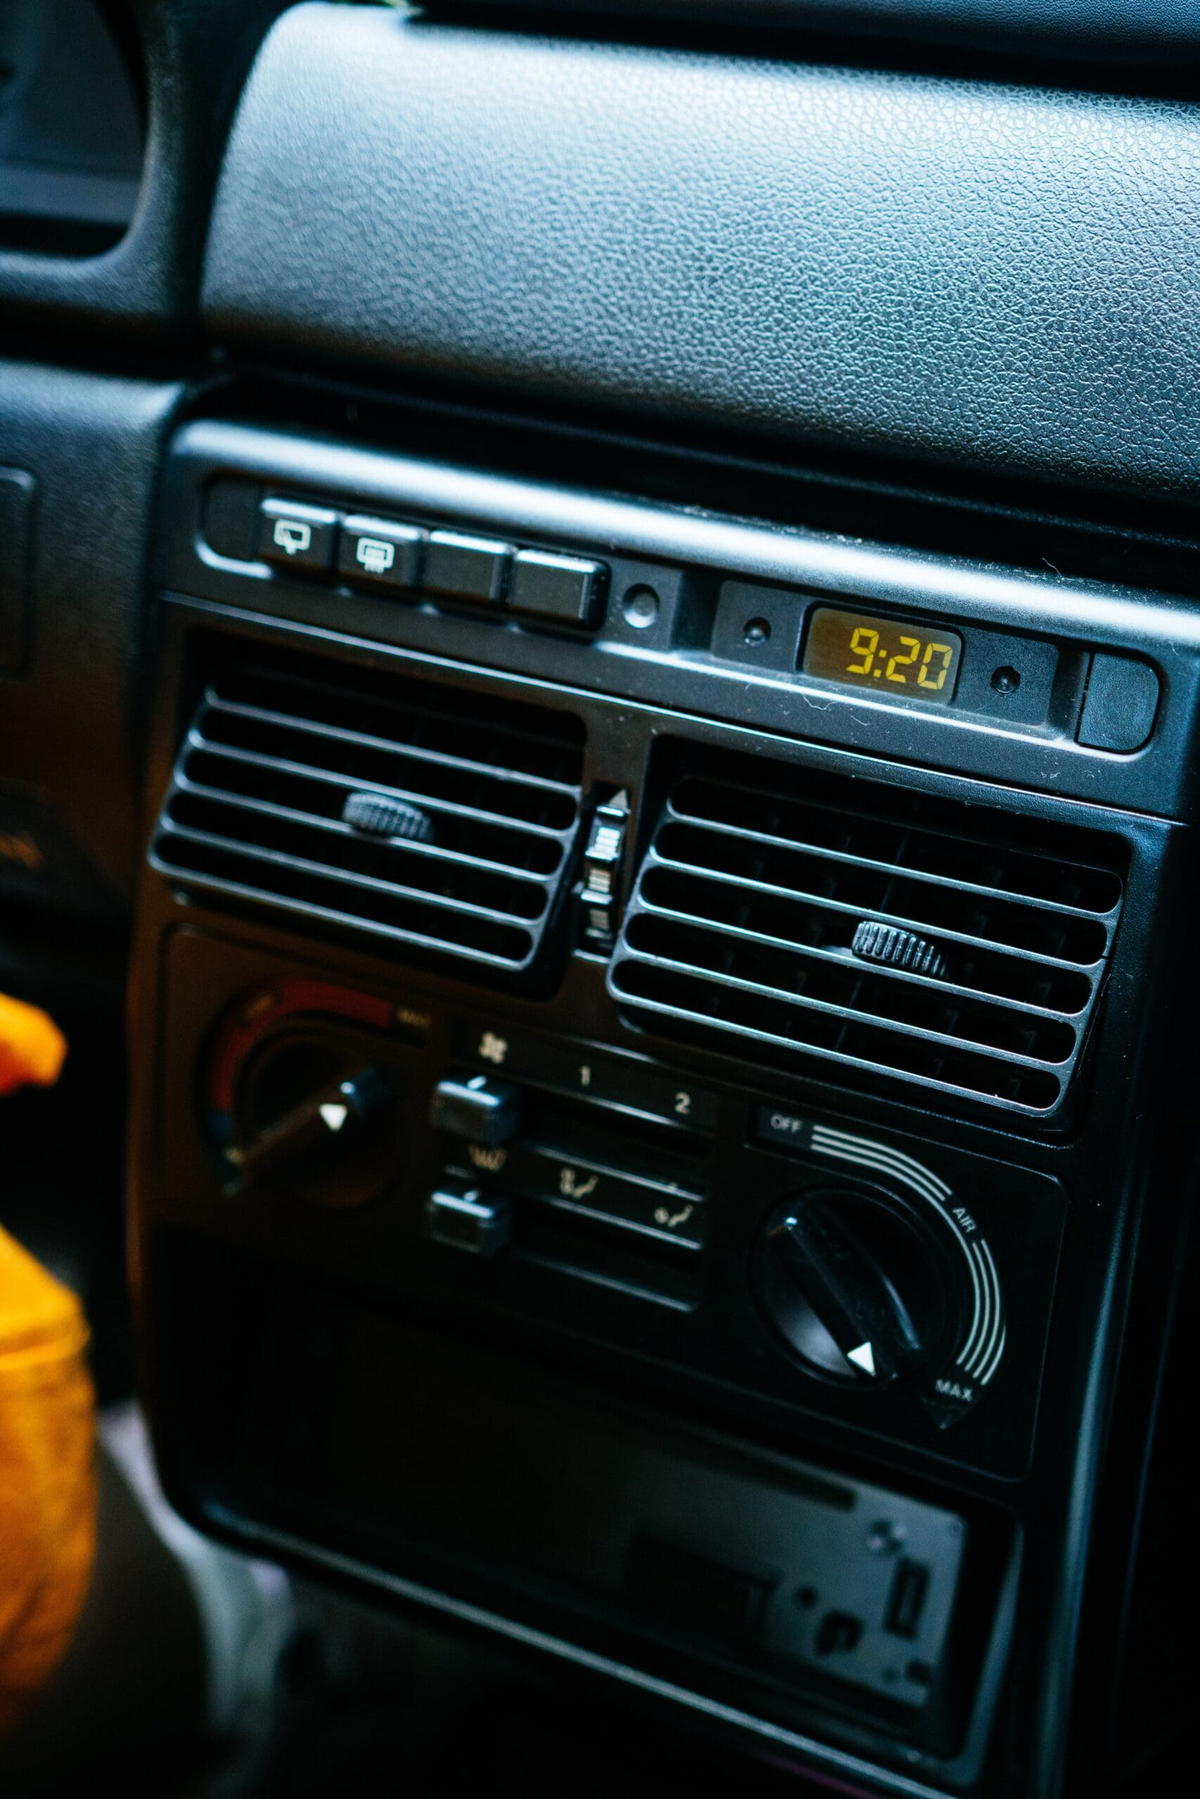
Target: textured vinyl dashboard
point(1000, 277)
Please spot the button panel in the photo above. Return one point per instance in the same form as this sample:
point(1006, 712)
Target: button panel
point(601, 1143)
point(603, 1079)
point(624, 600)
point(668, 1211)
point(1107, 701)
point(579, 1159)
point(538, 588)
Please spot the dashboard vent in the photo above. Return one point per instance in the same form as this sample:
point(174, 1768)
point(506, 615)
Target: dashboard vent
point(435, 820)
point(782, 915)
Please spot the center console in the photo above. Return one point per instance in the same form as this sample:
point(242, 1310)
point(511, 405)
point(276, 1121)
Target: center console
point(653, 1083)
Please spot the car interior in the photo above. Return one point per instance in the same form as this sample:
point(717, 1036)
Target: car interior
point(599, 728)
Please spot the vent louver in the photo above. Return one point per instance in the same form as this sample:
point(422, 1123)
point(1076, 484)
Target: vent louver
point(278, 775)
point(745, 932)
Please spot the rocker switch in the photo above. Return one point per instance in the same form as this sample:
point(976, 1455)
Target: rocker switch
point(479, 1109)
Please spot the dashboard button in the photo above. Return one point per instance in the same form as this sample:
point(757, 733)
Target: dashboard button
point(1122, 700)
point(468, 1221)
point(380, 551)
point(782, 1128)
point(467, 568)
point(293, 535)
point(558, 590)
point(483, 1111)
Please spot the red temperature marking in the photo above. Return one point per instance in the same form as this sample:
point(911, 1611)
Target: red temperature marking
point(282, 1001)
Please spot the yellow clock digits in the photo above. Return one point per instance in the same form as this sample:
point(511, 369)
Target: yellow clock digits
point(863, 642)
point(933, 680)
point(913, 646)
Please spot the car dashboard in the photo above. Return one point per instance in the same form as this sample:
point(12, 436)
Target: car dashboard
point(598, 631)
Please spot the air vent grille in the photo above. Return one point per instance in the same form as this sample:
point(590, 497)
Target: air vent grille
point(742, 929)
point(440, 821)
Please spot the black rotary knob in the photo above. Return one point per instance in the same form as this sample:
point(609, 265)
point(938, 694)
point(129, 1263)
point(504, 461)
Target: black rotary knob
point(314, 1120)
point(859, 1288)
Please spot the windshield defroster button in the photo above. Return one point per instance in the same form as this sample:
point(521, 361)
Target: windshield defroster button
point(292, 534)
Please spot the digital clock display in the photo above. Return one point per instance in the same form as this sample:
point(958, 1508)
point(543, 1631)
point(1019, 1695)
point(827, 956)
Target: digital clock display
point(888, 655)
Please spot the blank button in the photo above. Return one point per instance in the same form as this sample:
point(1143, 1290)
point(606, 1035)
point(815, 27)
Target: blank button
point(1121, 703)
point(560, 590)
point(467, 568)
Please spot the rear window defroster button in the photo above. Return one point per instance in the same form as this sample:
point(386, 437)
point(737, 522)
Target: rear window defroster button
point(379, 552)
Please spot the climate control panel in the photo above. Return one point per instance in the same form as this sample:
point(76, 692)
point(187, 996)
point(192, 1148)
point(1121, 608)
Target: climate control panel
point(755, 1246)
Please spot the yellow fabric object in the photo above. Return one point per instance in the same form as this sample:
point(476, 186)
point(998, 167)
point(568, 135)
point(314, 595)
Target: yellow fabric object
point(47, 1420)
point(32, 1047)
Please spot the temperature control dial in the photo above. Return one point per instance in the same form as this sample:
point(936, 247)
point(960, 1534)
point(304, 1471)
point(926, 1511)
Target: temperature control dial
point(860, 1288)
point(314, 1120)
